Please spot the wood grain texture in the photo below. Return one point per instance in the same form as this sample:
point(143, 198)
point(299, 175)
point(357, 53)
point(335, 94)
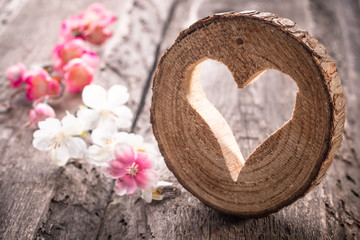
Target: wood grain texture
point(196, 141)
point(125, 217)
point(65, 203)
point(128, 60)
point(27, 179)
point(331, 210)
point(8, 10)
point(341, 189)
point(34, 206)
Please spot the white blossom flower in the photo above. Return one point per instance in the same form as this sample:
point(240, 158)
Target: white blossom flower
point(104, 141)
point(105, 109)
point(57, 137)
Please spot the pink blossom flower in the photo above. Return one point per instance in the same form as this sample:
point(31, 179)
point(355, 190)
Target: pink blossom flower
point(72, 27)
point(39, 84)
point(15, 75)
point(91, 59)
point(74, 48)
point(131, 170)
point(97, 19)
point(97, 14)
point(97, 35)
point(40, 112)
point(77, 75)
point(90, 25)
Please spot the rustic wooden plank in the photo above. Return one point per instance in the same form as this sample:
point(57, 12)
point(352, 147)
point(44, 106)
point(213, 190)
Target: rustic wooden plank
point(132, 58)
point(133, 61)
point(47, 202)
point(77, 194)
point(43, 200)
point(341, 189)
point(343, 45)
point(128, 61)
point(8, 10)
point(331, 210)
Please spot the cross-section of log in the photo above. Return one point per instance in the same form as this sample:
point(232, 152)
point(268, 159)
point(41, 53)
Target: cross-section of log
point(196, 141)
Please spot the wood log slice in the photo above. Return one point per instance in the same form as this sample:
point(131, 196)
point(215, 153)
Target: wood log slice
point(197, 143)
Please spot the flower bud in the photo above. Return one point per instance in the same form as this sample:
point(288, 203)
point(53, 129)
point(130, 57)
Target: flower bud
point(97, 35)
point(15, 75)
point(40, 112)
point(90, 25)
point(63, 53)
point(77, 75)
point(72, 27)
point(39, 84)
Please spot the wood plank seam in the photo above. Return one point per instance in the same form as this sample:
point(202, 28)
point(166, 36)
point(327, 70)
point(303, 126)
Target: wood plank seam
point(149, 78)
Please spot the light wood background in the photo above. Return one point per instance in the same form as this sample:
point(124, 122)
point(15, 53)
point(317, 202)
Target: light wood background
point(41, 201)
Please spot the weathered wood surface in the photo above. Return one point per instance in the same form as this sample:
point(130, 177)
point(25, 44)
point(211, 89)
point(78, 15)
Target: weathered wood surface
point(41, 201)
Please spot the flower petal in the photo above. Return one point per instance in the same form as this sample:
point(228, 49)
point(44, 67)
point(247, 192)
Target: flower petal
point(60, 155)
point(121, 137)
point(91, 59)
point(94, 96)
point(114, 169)
point(15, 75)
point(150, 150)
point(44, 110)
point(63, 53)
point(126, 185)
point(164, 184)
point(42, 140)
point(147, 195)
point(119, 188)
point(124, 116)
point(143, 161)
point(107, 122)
point(97, 35)
point(124, 154)
point(101, 136)
point(54, 88)
point(117, 95)
point(72, 125)
point(76, 147)
point(50, 125)
point(38, 83)
point(97, 155)
point(77, 75)
point(134, 140)
point(72, 26)
point(146, 179)
point(90, 118)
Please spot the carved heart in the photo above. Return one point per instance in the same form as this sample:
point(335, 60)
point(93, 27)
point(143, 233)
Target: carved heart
point(255, 112)
point(199, 146)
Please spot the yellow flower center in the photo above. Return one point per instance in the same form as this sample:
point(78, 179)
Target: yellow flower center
point(57, 140)
point(108, 143)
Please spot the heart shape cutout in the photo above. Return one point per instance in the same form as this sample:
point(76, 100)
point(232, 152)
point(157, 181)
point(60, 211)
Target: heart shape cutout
point(272, 95)
point(254, 112)
point(197, 143)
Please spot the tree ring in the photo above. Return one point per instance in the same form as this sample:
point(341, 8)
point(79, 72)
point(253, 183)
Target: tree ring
point(196, 143)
